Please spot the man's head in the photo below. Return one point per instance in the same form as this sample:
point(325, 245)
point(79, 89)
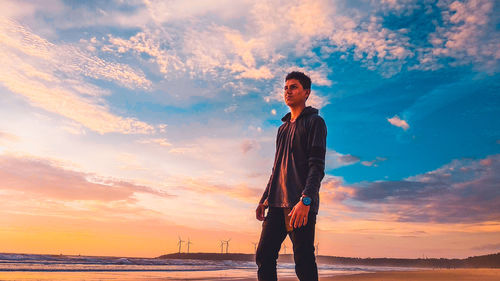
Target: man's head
point(297, 88)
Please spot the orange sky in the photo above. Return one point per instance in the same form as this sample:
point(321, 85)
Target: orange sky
point(54, 210)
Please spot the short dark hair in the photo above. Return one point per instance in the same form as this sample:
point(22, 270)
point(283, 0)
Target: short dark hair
point(304, 80)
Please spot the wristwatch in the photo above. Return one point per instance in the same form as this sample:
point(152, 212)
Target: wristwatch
point(306, 200)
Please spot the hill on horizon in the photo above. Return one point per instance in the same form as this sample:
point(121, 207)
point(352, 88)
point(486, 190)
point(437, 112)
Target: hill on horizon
point(483, 261)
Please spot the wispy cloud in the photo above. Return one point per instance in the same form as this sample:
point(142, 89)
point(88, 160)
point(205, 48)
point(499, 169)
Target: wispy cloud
point(159, 141)
point(148, 43)
point(52, 76)
point(48, 180)
point(334, 159)
point(373, 162)
point(463, 191)
point(467, 33)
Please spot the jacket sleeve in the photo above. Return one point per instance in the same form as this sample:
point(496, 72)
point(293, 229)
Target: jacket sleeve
point(316, 148)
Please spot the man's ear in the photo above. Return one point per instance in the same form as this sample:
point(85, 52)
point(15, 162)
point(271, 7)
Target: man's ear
point(308, 93)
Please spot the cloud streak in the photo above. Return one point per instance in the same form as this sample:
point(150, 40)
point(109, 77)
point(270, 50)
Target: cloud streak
point(47, 180)
point(463, 191)
point(52, 77)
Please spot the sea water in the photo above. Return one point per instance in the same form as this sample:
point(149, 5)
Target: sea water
point(71, 268)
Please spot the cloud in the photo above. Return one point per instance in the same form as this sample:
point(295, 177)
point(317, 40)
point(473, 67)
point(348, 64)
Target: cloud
point(398, 122)
point(230, 41)
point(52, 77)
point(316, 101)
point(358, 34)
point(398, 6)
point(468, 33)
point(46, 179)
point(464, 191)
point(258, 47)
point(147, 42)
point(222, 52)
point(311, 18)
point(162, 12)
point(159, 141)
point(239, 42)
point(334, 191)
point(20, 42)
point(334, 159)
point(375, 46)
point(348, 158)
point(38, 211)
point(373, 162)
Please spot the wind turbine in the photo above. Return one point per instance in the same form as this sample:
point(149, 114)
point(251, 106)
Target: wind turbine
point(221, 246)
point(254, 247)
point(284, 246)
point(227, 245)
point(180, 244)
point(189, 243)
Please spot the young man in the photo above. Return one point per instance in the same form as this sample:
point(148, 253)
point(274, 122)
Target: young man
point(292, 191)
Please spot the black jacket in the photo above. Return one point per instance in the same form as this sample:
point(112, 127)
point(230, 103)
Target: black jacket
point(305, 161)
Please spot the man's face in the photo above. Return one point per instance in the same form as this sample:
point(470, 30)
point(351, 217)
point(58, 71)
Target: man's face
point(294, 94)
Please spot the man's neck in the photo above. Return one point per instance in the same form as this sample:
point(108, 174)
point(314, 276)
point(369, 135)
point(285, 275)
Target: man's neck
point(296, 110)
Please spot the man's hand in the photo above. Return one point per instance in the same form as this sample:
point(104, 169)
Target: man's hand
point(299, 215)
point(260, 212)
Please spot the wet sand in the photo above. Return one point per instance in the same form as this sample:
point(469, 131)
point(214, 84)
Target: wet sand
point(479, 274)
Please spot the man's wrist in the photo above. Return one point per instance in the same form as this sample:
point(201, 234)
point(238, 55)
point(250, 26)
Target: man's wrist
point(265, 203)
point(306, 200)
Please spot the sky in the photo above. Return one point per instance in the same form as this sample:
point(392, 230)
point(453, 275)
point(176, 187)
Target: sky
point(125, 125)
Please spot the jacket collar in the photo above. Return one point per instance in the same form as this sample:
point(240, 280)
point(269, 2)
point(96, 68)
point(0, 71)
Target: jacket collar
point(308, 110)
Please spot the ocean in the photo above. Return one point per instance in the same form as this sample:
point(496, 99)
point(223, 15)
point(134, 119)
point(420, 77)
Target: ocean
point(31, 267)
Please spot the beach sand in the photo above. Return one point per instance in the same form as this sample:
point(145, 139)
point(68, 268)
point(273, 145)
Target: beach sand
point(417, 275)
point(479, 274)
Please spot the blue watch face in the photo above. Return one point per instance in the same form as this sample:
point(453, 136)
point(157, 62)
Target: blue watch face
point(306, 201)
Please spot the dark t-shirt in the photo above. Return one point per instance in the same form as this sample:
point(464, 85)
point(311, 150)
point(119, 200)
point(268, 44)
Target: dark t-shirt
point(281, 196)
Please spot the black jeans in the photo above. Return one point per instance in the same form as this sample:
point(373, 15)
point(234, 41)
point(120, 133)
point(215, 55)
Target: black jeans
point(272, 235)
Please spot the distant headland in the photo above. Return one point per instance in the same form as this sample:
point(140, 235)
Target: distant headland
point(484, 261)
